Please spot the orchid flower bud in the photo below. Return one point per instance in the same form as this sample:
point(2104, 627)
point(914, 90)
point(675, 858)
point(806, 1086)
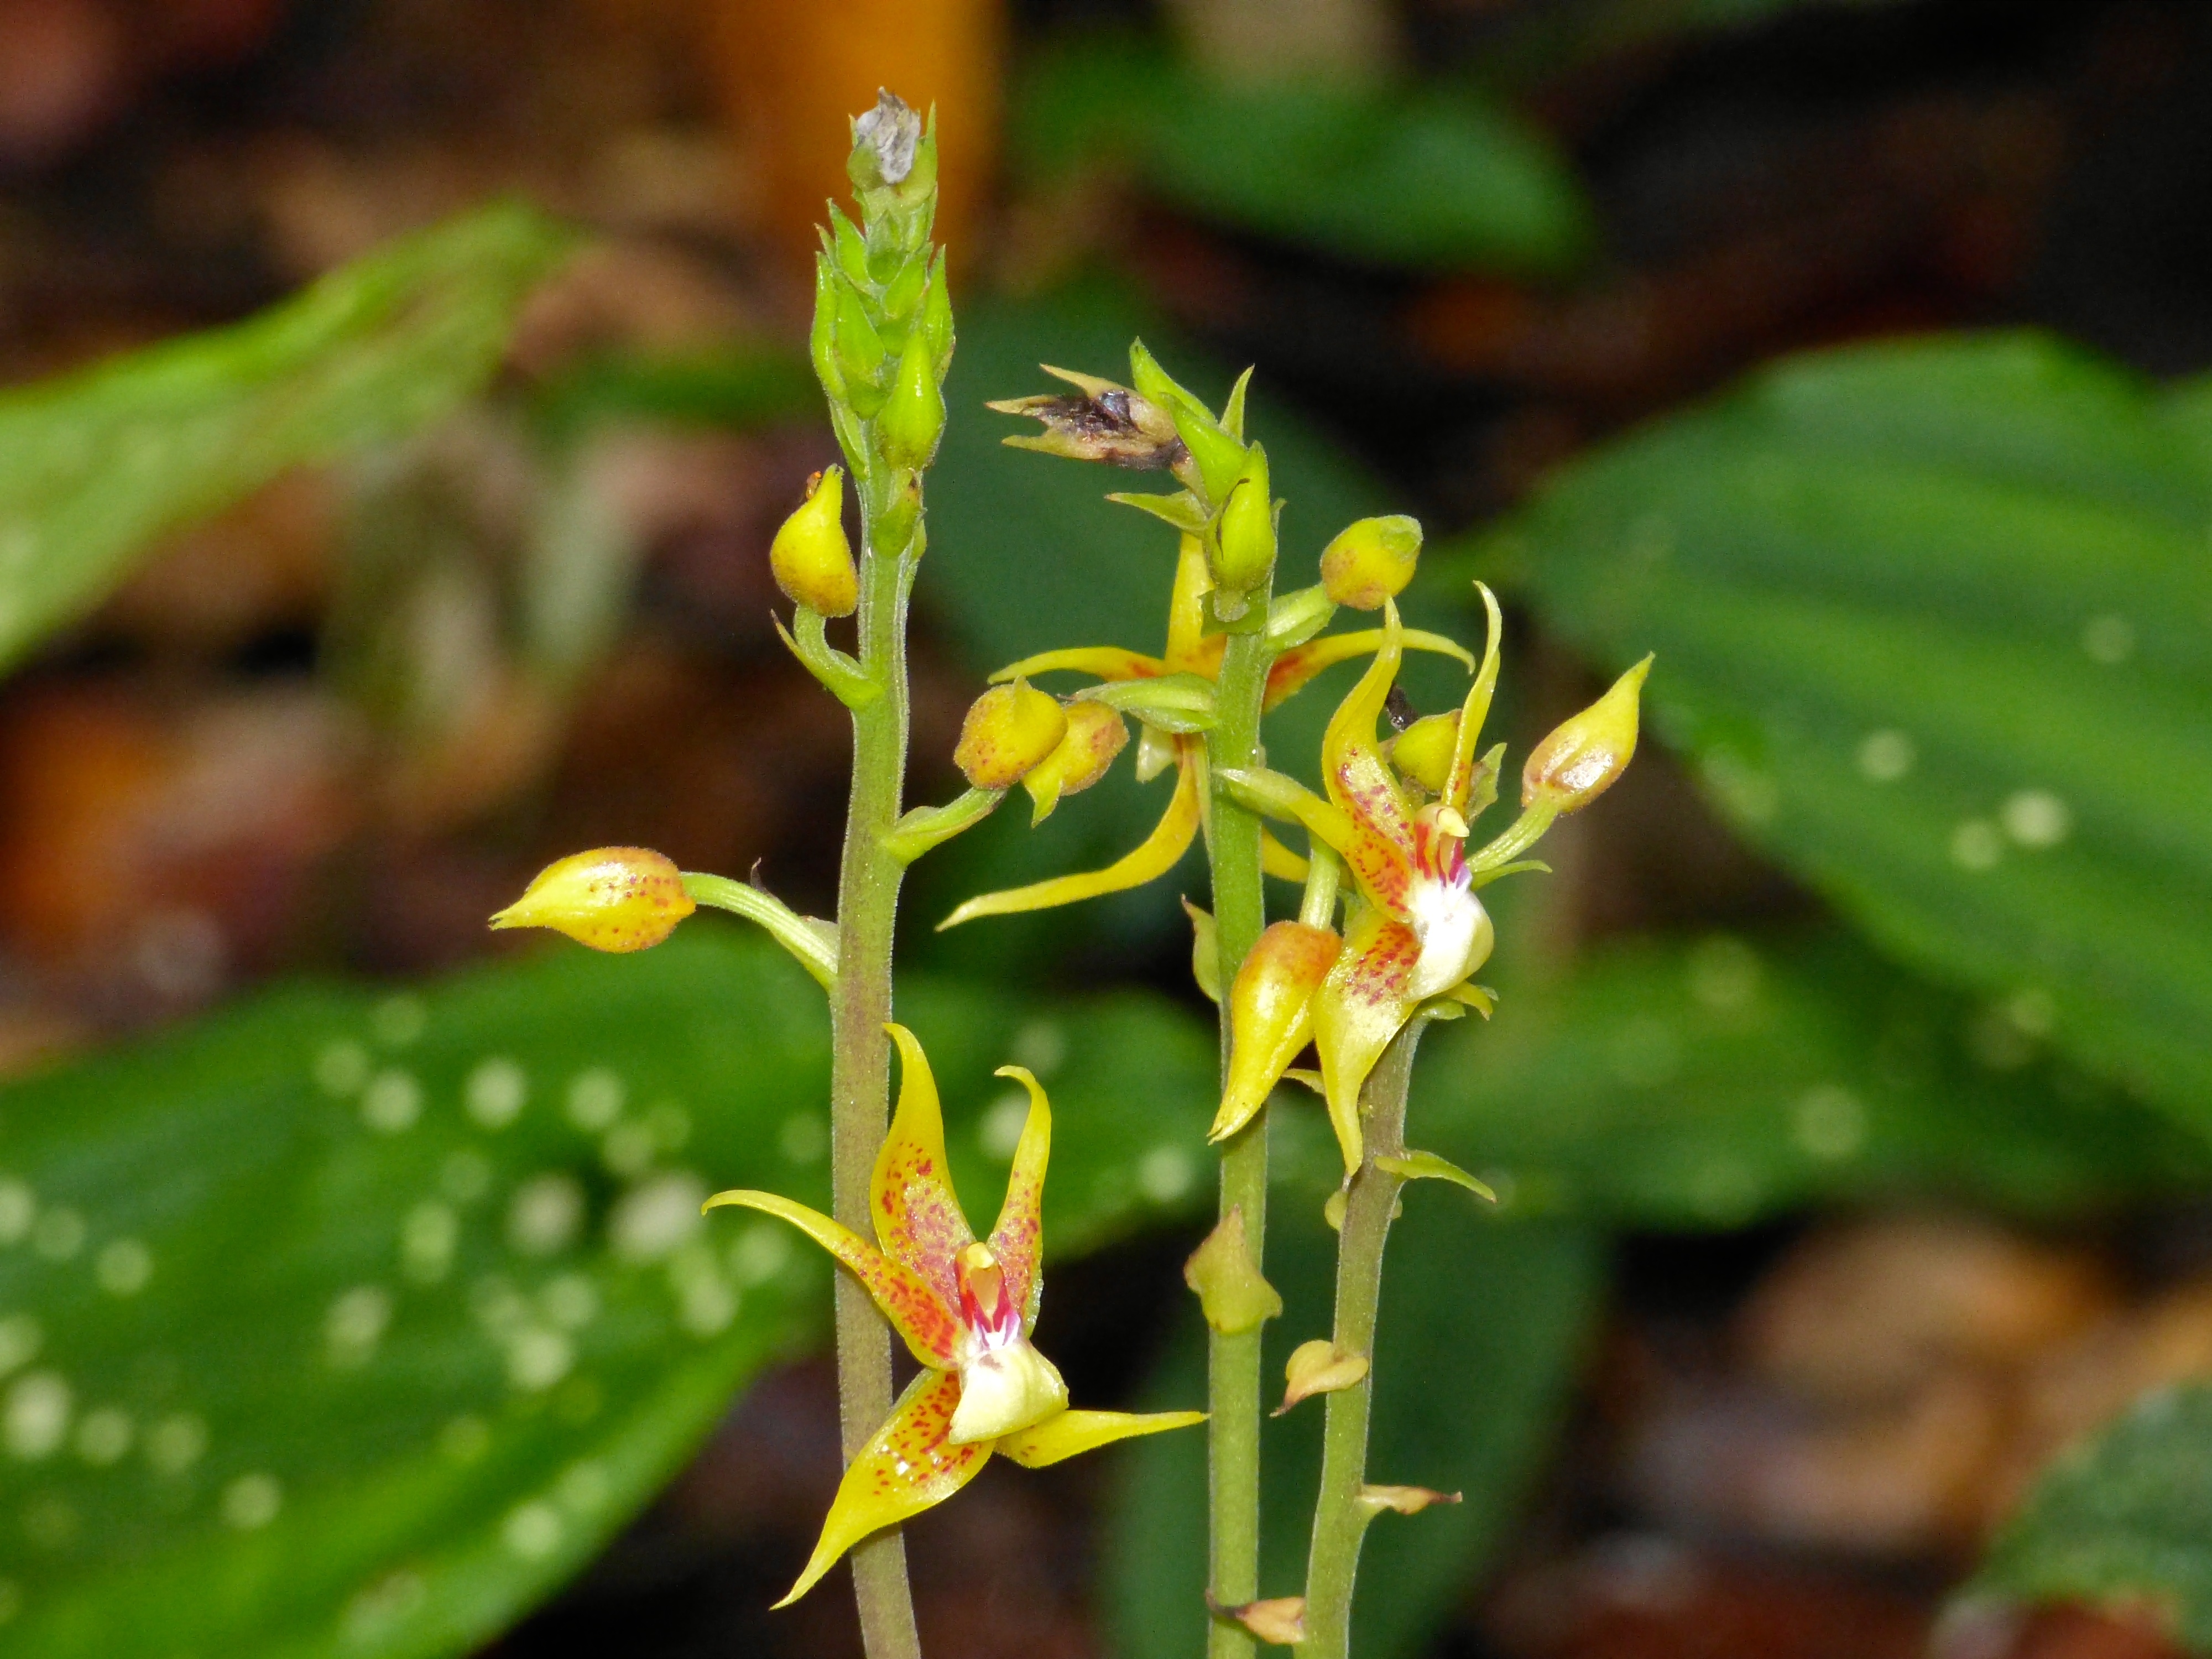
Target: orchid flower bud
point(1010, 731)
point(1372, 561)
point(612, 898)
point(1215, 455)
point(1240, 551)
point(1424, 750)
point(1270, 1015)
point(810, 556)
point(912, 418)
point(1095, 734)
point(1579, 761)
point(822, 338)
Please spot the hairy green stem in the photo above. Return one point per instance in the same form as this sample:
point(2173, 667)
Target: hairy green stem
point(860, 1068)
point(1233, 1371)
point(1340, 1517)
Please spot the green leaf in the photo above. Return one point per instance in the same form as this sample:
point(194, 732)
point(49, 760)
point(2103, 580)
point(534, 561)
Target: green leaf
point(748, 385)
point(1437, 178)
point(1708, 1084)
point(94, 467)
point(1503, 1313)
point(349, 1324)
point(1931, 622)
point(2124, 1519)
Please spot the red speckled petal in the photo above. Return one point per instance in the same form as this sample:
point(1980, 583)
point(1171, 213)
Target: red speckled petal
point(927, 1322)
point(1381, 847)
point(906, 1468)
point(1017, 1239)
point(917, 1214)
point(1358, 1009)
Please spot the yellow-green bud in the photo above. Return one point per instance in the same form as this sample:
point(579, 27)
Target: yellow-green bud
point(811, 555)
point(612, 898)
point(1240, 551)
point(937, 318)
point(1372, 561)
point(1216, 456)
point(912, 418)
point(1010, 731)
point(858, 351)
point(1424, 751)
point(822, 340)
point(1579, 761)
point(1095, 734)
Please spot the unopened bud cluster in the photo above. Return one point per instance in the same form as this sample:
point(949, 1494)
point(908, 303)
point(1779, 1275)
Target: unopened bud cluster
point(883, 318)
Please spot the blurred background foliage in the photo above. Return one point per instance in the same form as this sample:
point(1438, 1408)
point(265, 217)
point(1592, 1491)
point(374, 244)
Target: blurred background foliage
point(400, 397)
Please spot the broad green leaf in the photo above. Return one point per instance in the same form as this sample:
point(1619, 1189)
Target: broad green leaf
point(350, 1323)
point(2124, 1519)
point(748, 385)
point(1713, 1083)
point(1482, 1329)
point(1433, 177)
point(1933, 622)
point(95, 466)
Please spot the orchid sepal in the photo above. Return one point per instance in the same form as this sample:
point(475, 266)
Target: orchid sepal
point(1072, 1433)
point(1154, 857)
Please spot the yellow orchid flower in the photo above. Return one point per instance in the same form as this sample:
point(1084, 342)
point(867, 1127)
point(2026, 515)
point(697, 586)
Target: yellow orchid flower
point(965, 1308)
point(1190, 650)
point(1421, 931)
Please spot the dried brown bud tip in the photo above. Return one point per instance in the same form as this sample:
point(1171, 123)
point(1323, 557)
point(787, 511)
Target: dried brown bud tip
point(1102, 422)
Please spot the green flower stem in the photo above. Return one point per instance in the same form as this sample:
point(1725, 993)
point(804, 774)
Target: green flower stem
point(1340, 1517)
point(812, 943)
point(1233, 1375)
point(859, 1068)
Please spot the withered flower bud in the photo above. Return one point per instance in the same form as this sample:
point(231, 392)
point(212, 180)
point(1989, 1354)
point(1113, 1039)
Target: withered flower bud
point(1107, 423)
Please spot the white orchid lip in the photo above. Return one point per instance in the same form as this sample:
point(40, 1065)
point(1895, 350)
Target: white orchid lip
point(1455, 933)
point(1004, 1389)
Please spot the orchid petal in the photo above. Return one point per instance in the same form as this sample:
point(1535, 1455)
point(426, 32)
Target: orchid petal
point(917, 1214)
point(1018, 1237)
point(1073, 1432)
point(1271, 1015)
point(1004, 1390)
point(1461, 781)
point(908, 1466)
point(910, 1302)
point(1360, 1006)
point(1105, 662)
point(1380, 849)
point(1190, 649)
point(1158, 853)
point(1298, 667)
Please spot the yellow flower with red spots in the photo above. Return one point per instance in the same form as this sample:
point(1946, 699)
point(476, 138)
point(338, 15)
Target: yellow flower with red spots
point(965, 1308)
point(1418, 931)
